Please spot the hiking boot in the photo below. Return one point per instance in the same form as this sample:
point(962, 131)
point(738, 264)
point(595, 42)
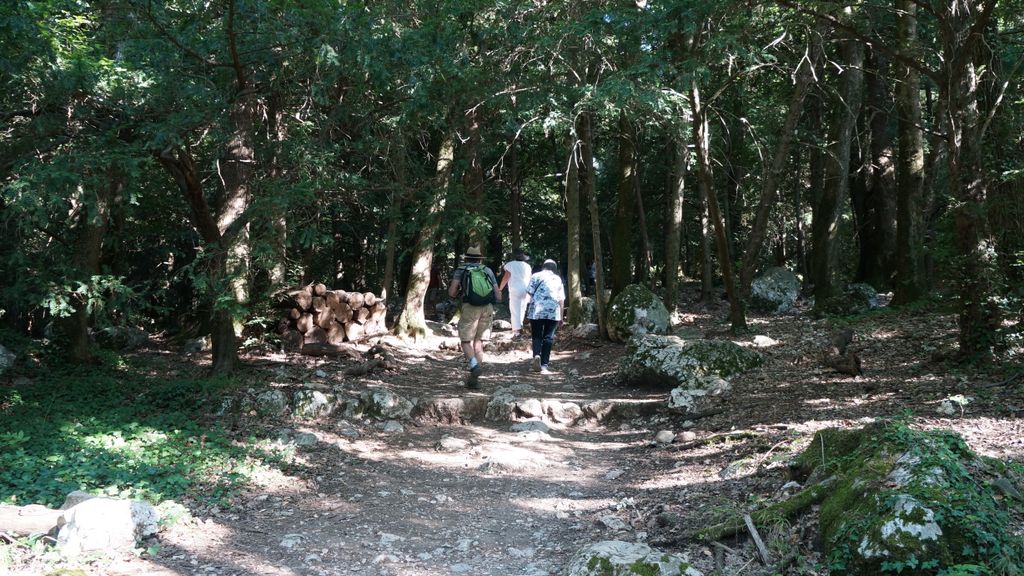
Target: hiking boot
point(545, 370)
point(535, 364)
point(473, 381)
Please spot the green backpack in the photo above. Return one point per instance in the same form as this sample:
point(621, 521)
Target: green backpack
point(477, 289)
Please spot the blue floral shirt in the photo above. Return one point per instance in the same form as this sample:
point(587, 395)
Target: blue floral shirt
point(547, 294)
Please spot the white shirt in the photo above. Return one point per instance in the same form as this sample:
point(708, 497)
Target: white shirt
point(520, 275)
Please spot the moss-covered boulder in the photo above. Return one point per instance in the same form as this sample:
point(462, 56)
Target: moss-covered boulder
point(775, 291)
point(384, 404)
point(617, 558)
point(856, 298)
point(588, 310)
point(910, 502)
point(672, 361)
point(636, 311)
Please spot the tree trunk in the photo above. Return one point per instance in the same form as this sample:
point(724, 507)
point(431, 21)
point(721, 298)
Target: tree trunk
point(588, 182)
point(705, 179)
point(515, 198)
point(825, 224)
point(910, 285)
point(978, 274)
point(876, 218)
point(707, 285)
point(182, 167)
point(473, 177)
point(572, 219)
point(93, 219)
point(674, 222)
point(774, 174)
point(237, 165)
point(412, 322)
point(647, 254)
point(624, 227)
point(398, 200)
point(278, 269)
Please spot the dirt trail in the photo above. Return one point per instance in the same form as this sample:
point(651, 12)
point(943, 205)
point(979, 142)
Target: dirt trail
point(483, 499)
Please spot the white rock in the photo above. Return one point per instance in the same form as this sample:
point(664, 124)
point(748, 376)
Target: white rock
point(613, 474)
point(105, 524)
point(530, 426)
point(613, 523)
point(764, 341)
point(620, 557)
point(664, 437)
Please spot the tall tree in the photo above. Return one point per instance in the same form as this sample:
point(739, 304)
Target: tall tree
point(835, 194)
point(705, 179)
point(412, 322)
point(910, 174)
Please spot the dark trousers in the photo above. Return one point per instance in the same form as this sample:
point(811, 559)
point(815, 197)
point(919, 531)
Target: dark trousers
point(543, 332)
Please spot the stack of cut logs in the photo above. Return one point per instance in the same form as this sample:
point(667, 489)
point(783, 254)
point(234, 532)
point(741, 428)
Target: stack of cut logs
point(316, 315)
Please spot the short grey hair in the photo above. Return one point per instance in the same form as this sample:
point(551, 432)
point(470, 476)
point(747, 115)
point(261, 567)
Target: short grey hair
point(550, 265)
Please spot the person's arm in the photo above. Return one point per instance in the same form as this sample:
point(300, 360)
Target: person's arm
point(497, 292)
point(455, 286)
point(504, 279)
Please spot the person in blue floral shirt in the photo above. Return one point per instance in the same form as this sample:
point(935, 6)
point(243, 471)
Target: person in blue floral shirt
point(547, 297)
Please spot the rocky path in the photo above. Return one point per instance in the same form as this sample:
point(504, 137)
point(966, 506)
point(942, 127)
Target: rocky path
point(521, 496)
point(482, 498)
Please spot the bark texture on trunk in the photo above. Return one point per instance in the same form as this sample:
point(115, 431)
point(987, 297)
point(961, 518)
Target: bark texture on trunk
point(674, 222)
point(705, 179)
point(412, 322)
point(588, 183)
point(961, 35)
point(774, 174)
point(572, 220)
point(182, 167)
point(625, 213)
point(835, 193)
point(909, 280)
point(876, 208)
point(89, 231)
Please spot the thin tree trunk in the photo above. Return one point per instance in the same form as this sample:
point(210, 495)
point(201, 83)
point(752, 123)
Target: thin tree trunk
point(647, 260)
point(910, 285)
point(705, 179)
point(674, 222)
point(707, 285)
point(473, 177)
point(774, 175)
point(277, 271)
point(182, 167)
point(516, 197)
point(876, 221)
point(397, 204)
point(572, 219)
point(588, 183)
point(624, 227)
point(825, 225)
point(93, 220)
point(412, 322)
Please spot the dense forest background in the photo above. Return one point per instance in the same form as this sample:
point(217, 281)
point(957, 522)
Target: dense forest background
point(173, 165)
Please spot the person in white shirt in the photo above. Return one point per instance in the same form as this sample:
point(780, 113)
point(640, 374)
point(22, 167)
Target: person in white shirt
point(545, 312)
point(516, 277)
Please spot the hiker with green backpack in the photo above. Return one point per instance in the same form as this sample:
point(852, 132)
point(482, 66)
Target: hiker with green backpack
point(476, 286)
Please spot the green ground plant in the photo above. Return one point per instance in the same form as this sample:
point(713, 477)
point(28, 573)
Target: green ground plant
point(118, 430)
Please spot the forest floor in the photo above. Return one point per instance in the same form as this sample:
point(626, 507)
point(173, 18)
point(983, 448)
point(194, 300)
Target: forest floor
point(481, 499)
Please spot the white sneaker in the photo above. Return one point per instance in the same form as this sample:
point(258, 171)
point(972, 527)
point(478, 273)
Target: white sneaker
point(544, 370)
point(535, 364)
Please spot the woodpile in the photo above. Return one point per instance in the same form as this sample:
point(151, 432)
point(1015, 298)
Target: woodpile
point(314, 316)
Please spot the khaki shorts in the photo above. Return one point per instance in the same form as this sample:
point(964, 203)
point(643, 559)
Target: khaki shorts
point(475, 322)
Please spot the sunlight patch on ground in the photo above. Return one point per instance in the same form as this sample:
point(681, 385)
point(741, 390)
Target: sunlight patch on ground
point(568, 504)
